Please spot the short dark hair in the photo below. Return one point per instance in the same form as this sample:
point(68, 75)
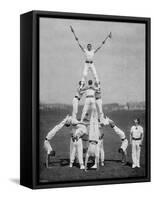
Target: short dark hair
point(89, 44)
point(90, 82)
point(67, 125)
point(138, 120)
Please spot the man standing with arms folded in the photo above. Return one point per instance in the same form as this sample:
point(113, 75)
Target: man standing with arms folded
point(136, 139)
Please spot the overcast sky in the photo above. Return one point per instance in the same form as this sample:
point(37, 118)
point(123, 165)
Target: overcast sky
point(120, 64)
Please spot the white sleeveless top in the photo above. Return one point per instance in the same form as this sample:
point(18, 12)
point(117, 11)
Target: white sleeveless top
point(89, 54)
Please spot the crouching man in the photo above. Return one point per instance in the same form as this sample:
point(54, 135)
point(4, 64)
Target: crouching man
point(124, 141)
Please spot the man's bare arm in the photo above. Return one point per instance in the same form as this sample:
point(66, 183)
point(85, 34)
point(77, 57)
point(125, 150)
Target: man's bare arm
point(76, 38)
point(99, 46)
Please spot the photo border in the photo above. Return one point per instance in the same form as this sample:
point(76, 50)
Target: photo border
point(35, 97)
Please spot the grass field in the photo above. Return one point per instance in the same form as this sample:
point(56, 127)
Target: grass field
point(60, 170)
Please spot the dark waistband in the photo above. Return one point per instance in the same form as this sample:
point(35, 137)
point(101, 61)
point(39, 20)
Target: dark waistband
point(77, 98)
point(98, 98)
point(123, 139)
point(93, 141)
point(136, 138)
point(89, 61)
point(89, 96)
point(75, 139)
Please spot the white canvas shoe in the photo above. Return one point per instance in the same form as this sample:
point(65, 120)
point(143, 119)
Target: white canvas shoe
point(102, 164)
point(82, 167)
point(94, 166)
point(133, 166)
point(71, 165)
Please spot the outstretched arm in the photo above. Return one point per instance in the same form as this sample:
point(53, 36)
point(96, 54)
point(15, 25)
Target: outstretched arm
point(99, 46)
point(57, 128)
point(76, 38)
point(108, 36)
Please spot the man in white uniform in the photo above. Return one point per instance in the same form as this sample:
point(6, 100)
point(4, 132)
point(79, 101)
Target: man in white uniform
point(124, 141)
point(100, 147)
point(89, 56)
point(89, 53)
point(76, 99)
point(76, 146)
point(136, 139)
point(50, 135)
point(90, 99)
point(93, 148)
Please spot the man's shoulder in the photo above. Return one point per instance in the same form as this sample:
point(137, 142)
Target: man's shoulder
point(140, 127)
point(133, 127)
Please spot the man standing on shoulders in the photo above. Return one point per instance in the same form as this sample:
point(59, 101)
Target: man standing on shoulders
point(136, 139)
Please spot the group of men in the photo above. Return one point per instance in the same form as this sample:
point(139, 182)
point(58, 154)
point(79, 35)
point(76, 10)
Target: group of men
point(92, 125)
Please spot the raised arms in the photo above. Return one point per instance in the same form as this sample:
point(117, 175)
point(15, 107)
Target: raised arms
point(76, 38)
point(109, 36)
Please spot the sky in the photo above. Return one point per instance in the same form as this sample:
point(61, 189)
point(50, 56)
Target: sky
point(120, 63)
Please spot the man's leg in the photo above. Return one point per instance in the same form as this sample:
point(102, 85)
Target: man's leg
point(85, 73)
point(86, 160)
point(80, 153)
point(134, 154)
point(124, 146)
point(102, 155)
point(72, 152)
point(93, 103)
point(93, 69)
point(100, 108)
point(138, 151)
point(85, 109)
point(97, 155)
point(75, 107)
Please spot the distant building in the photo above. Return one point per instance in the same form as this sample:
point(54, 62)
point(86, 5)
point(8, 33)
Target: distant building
point(111, 107)
point(136, 105)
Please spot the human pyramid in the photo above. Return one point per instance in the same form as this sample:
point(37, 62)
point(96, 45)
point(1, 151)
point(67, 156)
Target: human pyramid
point(92, 118)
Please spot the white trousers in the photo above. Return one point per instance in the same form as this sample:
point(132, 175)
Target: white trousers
point(136, 149)
point(101, 150)
point(93, 150)
point(91, 67)
point(100, 108)
point(75, 107)
point(76, 148)
point(89, 103)
point(124, 145)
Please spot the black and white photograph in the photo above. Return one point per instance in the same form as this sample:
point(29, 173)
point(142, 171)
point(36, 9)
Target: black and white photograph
point(92, 100)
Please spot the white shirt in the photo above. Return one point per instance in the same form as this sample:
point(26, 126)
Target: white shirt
point(136, 131)
point(90, 91)
point(89, 54)
point(119, 132)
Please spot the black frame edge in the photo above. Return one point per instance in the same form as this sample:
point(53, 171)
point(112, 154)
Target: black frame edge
point(26, 99)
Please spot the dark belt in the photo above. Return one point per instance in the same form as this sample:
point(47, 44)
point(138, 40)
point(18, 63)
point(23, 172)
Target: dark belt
point(123, 139)
point(89, 61)
point(77, 98)
point(75, 138)
point(89, 96)
point(98, 98)
point(136, 138)
point(93, 141)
